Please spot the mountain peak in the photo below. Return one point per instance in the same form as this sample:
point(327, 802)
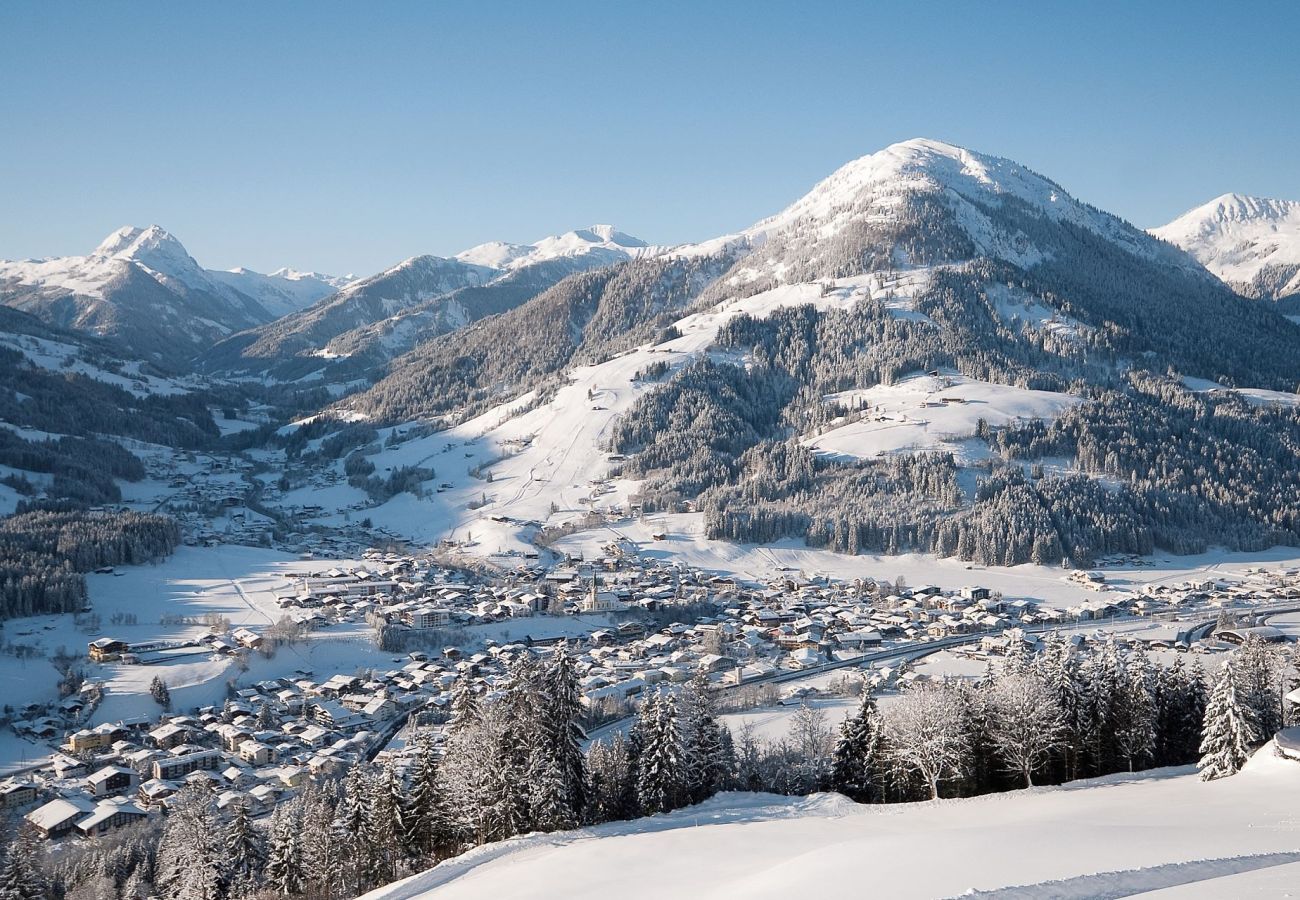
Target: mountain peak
point(1250, 242)
point(130, 242)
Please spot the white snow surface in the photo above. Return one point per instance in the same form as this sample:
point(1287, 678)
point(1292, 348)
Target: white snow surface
point(1235, 236)
point(1111, 837)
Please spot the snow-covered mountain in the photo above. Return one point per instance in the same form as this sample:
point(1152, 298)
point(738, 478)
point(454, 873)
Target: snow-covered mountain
point(285, 290)
point(1044, 321)
point(604, 244)
point(980, 201)
point(356, 331)
point(1252, 243)
point(143, 288)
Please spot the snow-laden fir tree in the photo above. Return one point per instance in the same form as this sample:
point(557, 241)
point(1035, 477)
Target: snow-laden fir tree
point(353, 819)
point(1135, 711)
point(428, 832)
point(563, 713)
point(855, 767)
point(660, 775)
point(323, 842)
point(245, 853)
point(613, 785)
point(1260, 686)
point(1225, 745)
point(190, 858)
point(704, 751)
point(284, 865)
point(383, 824)
point(549, 808)
point(160, 692)
point(20, 872)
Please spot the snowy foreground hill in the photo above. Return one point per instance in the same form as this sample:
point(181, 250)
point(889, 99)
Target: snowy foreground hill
point(1163, 833)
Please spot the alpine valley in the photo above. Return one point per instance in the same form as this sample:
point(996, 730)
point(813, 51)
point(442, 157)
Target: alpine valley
point(934, 350)
point(530, 527)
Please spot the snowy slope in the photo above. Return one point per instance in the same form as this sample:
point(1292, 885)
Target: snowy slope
point(352, 333)
point(1252, 243)
point(1112, 837)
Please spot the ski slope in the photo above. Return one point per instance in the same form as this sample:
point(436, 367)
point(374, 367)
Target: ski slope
point(1111, 837)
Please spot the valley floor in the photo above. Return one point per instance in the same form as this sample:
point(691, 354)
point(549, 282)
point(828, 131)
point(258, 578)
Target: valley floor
point(1163, 833)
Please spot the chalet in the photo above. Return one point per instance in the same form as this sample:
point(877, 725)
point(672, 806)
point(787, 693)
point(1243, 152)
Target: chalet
point(334, 715)
point(246, 638)
point(58, 817)
point(154, 791)
point(109, 815)
point(106, 649)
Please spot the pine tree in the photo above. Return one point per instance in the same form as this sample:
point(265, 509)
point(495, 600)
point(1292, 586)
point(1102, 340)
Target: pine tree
point(245, 853)
point(284, 865)
point(383, 824)
point(549, 808)
point(613, 785)
point(704, 760)
point(464, 704)
point(1135, 711)
point(354, 817)
point(20, 874)
point(266, 719)
point(323, 844)
point(563, 712)
point(427, 831)
point(189, 855)
point(660, 775)
point(1225, 746)
point(160, 693)
point(855, 764)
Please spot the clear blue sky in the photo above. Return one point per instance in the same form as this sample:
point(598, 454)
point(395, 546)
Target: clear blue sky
point(345, 137)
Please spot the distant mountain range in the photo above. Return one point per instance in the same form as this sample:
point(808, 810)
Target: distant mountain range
point(141, 287)
point(356, 332)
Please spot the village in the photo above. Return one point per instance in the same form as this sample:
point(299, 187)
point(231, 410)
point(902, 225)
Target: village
point(640, 624)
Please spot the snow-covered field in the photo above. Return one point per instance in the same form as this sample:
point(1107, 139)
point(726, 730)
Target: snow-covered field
point(1119, 836)
point(932, 412)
